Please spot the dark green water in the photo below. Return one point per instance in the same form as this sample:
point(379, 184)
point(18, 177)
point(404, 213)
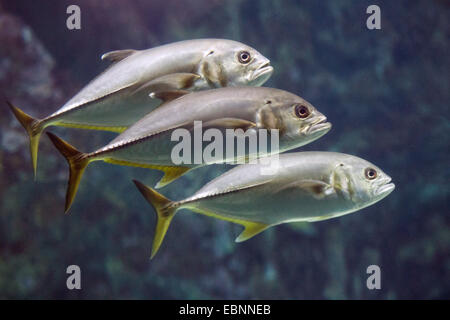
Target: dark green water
point(386, 92)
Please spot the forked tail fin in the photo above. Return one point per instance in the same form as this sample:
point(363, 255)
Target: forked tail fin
point(34, 129)
point(78, 162)
point(164, 212)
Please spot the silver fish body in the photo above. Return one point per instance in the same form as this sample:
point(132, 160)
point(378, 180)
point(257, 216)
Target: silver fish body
point(265, 108)
point(148, 143)
point(122, 80)
point(307, 186)
point(119, 96)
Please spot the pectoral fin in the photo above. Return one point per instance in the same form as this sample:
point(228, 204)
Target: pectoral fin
point(167, 83)
point(318, 189)
point(232, 123)
point(116, 56)
point(167, 96)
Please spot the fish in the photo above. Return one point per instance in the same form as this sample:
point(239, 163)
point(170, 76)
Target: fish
point(138, 81)
point(148, 142)
point(307, 187)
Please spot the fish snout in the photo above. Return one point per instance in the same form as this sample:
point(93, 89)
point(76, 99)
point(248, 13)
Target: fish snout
point(384, 187)
point(264, 64)
point(262, 73)
point(319, 125)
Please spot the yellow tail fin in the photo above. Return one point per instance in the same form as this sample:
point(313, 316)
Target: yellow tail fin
point(164, 211)
point(34, 130)
point(78, 162)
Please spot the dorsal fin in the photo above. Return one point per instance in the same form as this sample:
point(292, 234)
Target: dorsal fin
point(116, 56)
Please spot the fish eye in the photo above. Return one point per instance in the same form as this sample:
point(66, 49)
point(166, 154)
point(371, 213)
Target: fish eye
point(302, 111)
point(244, 57)
point(370, 173)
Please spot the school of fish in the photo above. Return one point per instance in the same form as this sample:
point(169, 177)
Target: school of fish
point(147, 95)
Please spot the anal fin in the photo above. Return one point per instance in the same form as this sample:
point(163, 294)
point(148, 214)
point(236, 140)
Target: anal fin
point(90, 127)
point(251, 230)
point(171, 173)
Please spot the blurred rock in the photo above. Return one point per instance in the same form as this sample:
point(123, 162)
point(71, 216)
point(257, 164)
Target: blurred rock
point(28, 81)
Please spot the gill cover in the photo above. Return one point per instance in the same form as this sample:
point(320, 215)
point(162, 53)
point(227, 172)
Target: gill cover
point(213, 71)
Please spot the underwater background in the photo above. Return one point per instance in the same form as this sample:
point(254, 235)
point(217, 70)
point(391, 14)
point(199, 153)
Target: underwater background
point(387, 93)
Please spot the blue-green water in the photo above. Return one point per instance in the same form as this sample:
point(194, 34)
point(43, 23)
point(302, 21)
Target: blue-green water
point(386, 92)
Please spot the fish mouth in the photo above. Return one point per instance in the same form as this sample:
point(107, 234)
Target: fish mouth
point(319, 126)
point(262, 73)
point(385, 188)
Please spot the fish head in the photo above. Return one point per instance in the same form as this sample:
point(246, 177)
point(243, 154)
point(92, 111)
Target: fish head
point(298, 120)
point(234, 64)
point(362, 181)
